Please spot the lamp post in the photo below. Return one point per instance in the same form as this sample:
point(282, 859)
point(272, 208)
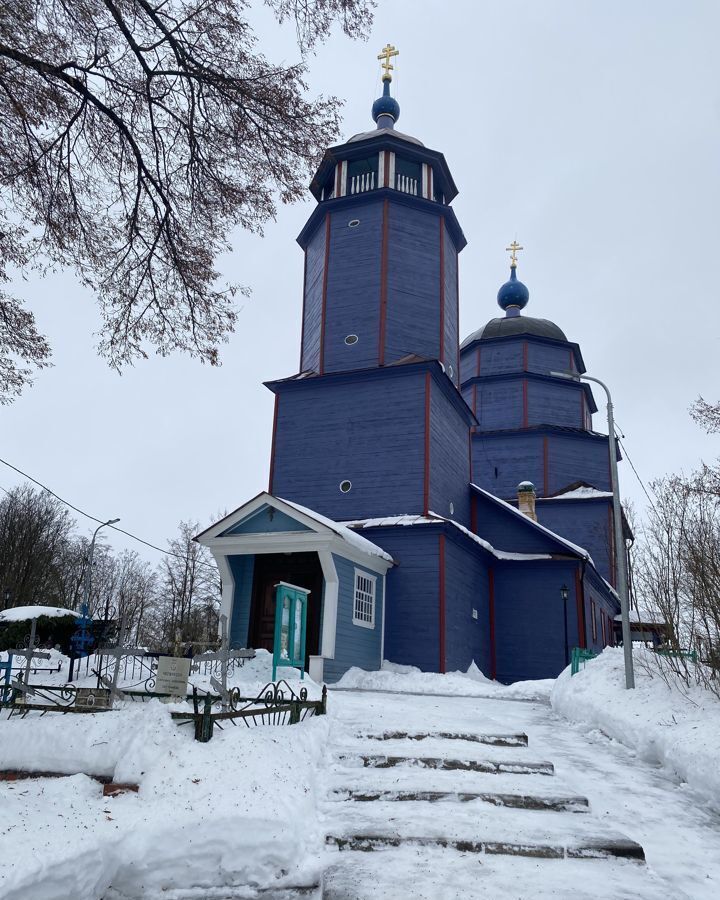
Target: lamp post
point(88, 573)
point(620, 561)
point(564, 595)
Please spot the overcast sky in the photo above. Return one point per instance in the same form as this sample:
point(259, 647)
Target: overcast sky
point(590, 131)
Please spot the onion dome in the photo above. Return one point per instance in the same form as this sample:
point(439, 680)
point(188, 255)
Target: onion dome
point(386, 109)
point(513, 295)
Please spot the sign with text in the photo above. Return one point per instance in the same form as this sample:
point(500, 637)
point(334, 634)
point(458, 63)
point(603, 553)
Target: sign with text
point(172, 676)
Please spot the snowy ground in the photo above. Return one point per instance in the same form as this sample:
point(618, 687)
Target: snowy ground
point(252, 808)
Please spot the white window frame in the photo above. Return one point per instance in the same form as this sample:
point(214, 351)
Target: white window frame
point(366, 596)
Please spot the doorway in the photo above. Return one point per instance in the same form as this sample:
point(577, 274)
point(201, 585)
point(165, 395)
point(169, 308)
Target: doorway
point(301, 569)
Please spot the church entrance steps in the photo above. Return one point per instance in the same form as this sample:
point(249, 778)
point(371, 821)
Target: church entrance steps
point(487, 766)
point(516, 801)
point(494, 740)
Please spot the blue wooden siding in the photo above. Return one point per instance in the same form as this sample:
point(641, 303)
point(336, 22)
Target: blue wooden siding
point(413, 284)
point(497, 359)
point(501, 462)
point(449, 459)
point(555, 404)
point(412, 615)
point(265, 520)
point(314, 270)
point(584, 522)
point(451, 356)
point(242, 568)
point(353, 288)
point(466, 588)
point(354, 644)
point(505, 529)
point(369, 430)
point(468, 363)
point(546, 358)
point(573, 458)
point(529, 619)
point(598, 601)
point(500, 404)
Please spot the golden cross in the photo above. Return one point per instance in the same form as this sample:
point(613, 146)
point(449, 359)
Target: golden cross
point(513, 248)
point(387, 54)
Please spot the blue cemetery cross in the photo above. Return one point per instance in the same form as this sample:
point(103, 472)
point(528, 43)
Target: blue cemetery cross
point(290, 621)
point(7, 668)
point(82, 638)
point(224, 655)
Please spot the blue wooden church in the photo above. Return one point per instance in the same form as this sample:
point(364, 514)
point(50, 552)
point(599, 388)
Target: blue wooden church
point(443, 502)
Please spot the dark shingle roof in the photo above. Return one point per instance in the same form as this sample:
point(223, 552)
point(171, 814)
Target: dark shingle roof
point(512, 325)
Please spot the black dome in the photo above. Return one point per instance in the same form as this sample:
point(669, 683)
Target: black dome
point(512, 325)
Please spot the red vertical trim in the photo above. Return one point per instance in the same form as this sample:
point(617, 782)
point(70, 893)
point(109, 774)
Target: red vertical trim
point(383, 281)
point(545, 466)
point(324, 293)
point(478, 360)
point(302, 328)
point(442, 288)
point(525, 356)
point(442, 604)
point(491, 609)
point(525, 402)
point(473, 514)
point(386, 173)
point(272, 445)
point(474, 409)
point(580, 597)
point(426, 478)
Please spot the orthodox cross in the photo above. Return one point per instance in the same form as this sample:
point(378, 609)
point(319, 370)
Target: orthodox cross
point(387, 54)
point(224, 655)
point(29, 652)
point(513, 249)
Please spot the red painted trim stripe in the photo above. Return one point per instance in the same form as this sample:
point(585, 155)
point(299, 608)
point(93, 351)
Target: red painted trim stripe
point(545, 466)
point(442, 288)
point(580, 598)
point(525, 356)
point(386, 173)
point(525, 402)
point(302, 330)
point(272, 445)
point(426, 478)
point(478, 360)
point(475, 409)
point(383, 282)
point(442, 604)
point(324, 293)
point(491, 609)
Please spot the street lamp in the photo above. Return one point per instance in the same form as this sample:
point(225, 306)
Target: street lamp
point(564, 596)
point(620, 561)
point(88, 573)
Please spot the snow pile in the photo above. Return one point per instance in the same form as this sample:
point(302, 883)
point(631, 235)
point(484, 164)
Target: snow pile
point(674, 726)
point(410, 680)
point(238, 811)
point(25, 613)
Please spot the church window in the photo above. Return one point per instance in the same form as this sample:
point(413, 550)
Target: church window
point(351, 339)
point(353, 223)
point(345, 486)
point(362, 174)
point(407, 176)
point(364, 599)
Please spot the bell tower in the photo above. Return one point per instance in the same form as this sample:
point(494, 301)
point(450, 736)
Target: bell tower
point(374, 423)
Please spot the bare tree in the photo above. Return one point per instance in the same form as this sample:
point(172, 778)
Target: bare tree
point(134, 135)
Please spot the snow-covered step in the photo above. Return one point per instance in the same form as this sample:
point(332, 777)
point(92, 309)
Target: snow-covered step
point(490, 766)
point(494, 740)
point(475, 827)
point(434, 746)
point(516, 800)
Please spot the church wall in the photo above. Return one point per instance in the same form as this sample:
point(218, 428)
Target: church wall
point(498, 359)
point(265, 521)
point(587, 523)
point(544, 358)
point(242, 568)
point(450, 357)
point(449, 459)
point(412, 615)
point(466, 589)
point(367, 430)
point(355, 645)
point(501, 462)
point(312, 303)
point(507, 530)
point(572, 458)
point(499, 404)
point(413, 283)
point(554, 404)
point(353, 288)
point(529, 619)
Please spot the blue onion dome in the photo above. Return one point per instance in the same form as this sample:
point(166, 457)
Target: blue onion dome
point(513, 294)
point(386, 106)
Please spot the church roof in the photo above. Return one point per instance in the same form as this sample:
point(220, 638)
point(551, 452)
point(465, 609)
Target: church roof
point(384, 132)
point(515, 325)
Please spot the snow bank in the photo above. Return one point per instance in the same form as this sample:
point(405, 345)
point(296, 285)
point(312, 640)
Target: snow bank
point(410, 680)
point(238, 811)
point(677, 728)
point(25, 613)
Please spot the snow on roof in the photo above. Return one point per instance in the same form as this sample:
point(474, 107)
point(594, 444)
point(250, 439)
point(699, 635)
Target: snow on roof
point(25, 613)
point(581, 551)
point(435, 519)
point(353, 538)
point(581, 493)
point(641, 618)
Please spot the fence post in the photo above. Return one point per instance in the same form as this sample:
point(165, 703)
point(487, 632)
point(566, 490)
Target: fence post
point(294, 712)
point(204, 722)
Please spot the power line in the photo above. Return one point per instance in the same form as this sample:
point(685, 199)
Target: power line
point(632, 466)
point(94, 518)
